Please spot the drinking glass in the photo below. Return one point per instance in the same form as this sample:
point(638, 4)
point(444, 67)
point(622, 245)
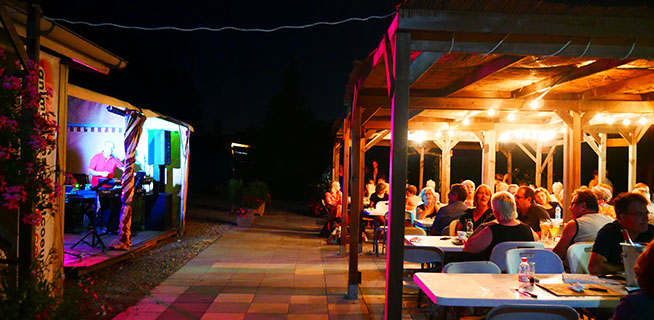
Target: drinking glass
point(545, 229)
point(554, 229)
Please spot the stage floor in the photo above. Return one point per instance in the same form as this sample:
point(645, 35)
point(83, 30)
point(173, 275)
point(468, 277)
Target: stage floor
point(84, 258)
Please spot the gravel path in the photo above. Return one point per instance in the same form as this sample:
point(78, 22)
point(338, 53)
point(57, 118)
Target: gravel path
point(112, 290)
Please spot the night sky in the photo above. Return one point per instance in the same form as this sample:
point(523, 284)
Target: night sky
point(223, 82)
point(226, 78)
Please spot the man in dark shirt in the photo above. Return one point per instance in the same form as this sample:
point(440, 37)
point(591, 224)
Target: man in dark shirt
point(452, 211)
point(529, 211)
point(632, 214)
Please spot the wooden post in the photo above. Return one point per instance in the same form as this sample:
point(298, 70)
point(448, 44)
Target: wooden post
point(422, 168)
point(571, 161)
point(335, 157)
point(509, 165)
point(633, 154)
point(550, 171)
point(398, 172)
point(346, 183)
point(357, 203)
point(601, 159)
point(488, 159)
point(539, 164)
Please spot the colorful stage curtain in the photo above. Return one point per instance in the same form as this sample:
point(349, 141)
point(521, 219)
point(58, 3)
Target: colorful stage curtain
point(133, 127)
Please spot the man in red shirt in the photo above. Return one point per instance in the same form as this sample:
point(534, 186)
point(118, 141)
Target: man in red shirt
point(104, 163)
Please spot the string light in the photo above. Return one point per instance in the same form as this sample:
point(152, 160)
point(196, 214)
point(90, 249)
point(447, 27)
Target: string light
point(511, 116)
point(527, 135)
point(642, 120)
point(491, 112)
point(466, 121)
point(535, 104)
point(626, 122)
point(418, 136)
point(438, 134)
point(609, 120)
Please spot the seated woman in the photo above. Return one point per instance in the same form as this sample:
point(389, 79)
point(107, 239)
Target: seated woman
point(429, 206)
point(640, 304)
point(412, 200)
point(505, 227)
point(543, 199)
point(380, 194)
point(604, 195)
point(481, 212)
point(333, 199)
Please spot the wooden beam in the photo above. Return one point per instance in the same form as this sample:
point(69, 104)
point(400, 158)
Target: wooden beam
point(527, 151)
point(616, 143)
point(377, 139)
point(398, 174)
point(389, 64)
point(601, 159)
point(421, 64)
point(482, 72)
point(549, 105)
point(565, 77)
point(356, 206)
point(619, 87)
point(612, 50)
point(368, 113)
point(592, 143)
point(347, 143)
point(525, 23)
point(16, 42)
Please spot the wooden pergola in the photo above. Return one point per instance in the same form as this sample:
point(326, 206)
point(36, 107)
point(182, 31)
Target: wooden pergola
point(527, 73)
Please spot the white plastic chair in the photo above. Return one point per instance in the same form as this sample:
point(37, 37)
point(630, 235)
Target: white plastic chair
point(452, 231)
point(429, 258)
point(471, 267)
point(414, 231)
point(540, 312)
point(578, 256)
point(498, 255)
point(546, 260)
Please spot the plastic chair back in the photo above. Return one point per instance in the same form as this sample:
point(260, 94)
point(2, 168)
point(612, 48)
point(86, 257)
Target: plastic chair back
point(532, 312)
point(414, 231)
point(471, 267)
point(578, 256)
point(452, 231)
point(424, 255)
point(498, 255)
point(546, 260)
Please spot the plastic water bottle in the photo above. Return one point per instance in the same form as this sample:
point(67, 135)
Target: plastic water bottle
point(469, 228)
point(523, 275)
point(557, 212)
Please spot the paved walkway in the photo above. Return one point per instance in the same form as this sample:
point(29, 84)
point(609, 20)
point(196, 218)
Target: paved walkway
point(278, 269)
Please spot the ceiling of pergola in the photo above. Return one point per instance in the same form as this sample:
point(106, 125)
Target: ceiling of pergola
point(481, 91)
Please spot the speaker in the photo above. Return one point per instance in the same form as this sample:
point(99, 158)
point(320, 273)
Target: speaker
point(138, 211)
point(159, 211)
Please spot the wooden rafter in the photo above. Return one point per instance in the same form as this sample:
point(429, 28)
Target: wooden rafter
point(570, 75)
point(9, 27)
point(382, 134)
point(549, 105)
point(482, 72)
point(612, 50)
point(421, 64)
point(516, 23)
point(368, 113)
point(618, 87)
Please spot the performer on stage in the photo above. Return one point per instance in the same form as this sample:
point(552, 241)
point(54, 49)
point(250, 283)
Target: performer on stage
point(104, 163)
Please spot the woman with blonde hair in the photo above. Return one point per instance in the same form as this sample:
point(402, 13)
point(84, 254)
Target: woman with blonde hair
point(480, 212)
point(430, 204)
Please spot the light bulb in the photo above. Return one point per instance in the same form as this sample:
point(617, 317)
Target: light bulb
point(466, 121)
point(534, 104)
point(626, 122)
point(642, 120)
point(491, 112)
point(511, 116)
point(609, 120)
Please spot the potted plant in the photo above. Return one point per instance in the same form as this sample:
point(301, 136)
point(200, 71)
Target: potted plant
point(256, 196)
point(247, 200)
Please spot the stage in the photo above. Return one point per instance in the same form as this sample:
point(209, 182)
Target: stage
point(84, 259)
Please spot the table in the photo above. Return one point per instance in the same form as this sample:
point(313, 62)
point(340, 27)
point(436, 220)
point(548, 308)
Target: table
point(490, 290)
point(445, 243)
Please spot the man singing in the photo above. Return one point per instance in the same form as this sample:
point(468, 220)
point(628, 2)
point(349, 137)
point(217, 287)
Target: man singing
point(104, 163)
